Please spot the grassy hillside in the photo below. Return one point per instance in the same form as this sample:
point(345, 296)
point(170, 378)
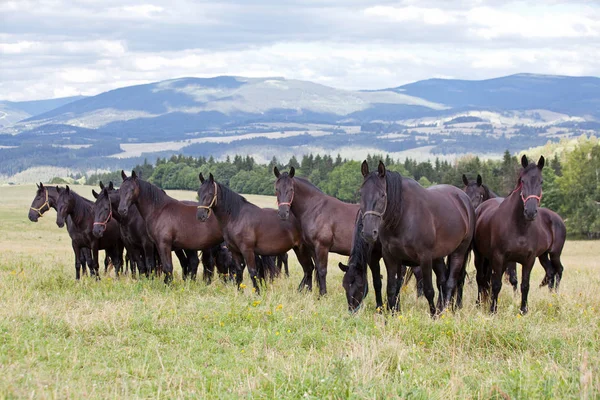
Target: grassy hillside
point(138, 338)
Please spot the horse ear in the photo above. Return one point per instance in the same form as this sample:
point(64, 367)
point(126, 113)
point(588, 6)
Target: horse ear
point(364, 168)
point(123, 175)
point(292, 172)
point(201, 177)
point(343, 267)
point(111, 186)
point(133, 174)
point(381, 169)
point(41, 185)
point(211, 178)
point(479, 180)
point(276, 172)
point(541, 162)
point(95, 194)
point(524, 161)
point(101, 185)
point(36, 184)
point(465, 180)
point(68, 190)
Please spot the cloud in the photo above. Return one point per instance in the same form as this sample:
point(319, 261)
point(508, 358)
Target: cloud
point(52, 47)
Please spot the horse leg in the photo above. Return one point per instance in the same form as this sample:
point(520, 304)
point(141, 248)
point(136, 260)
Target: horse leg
point(439, 267)
point(193, 261)
point(164, 250)
point(525, 274)
point(418, 273)
point(251, 264)
point(497, 267)
point(95, 265)
point(511, 271)
point(427, 267)
point(285, 259)
point(376, 272)
point(322, 254)
point(208, 269)
point(78, 252)
point(558, 269)
point(481, 277)
point(117, 257)
point(183, 260)
point(550, 272)
point(306, 262)
point(392, 282)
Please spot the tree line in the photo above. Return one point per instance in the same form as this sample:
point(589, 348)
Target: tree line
point(571, 181)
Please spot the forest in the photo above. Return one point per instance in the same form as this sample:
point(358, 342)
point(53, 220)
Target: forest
point(571, 179)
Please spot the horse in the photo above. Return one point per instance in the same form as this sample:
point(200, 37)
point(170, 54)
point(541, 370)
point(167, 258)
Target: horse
point(80, 210)
point(248, 229)
point(170, 223)
point(511, 231)
point(324, 220)
point(418, 226)
point(133, 228)
point(282, 263)
point(479, 192)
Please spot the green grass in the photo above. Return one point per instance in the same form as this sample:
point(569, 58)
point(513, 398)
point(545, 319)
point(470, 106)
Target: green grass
point(138, 338)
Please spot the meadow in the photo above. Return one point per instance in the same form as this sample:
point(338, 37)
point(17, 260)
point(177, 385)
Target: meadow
point(116, 338)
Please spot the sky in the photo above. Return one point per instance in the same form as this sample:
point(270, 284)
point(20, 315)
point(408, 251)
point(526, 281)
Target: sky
point(58, 48)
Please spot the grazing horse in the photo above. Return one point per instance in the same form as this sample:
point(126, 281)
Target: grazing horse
point(45, 199)
point(170, 223)
point(80, 210)
point(479, 193)
point(418, 226)
point(511, 231)
point(248, 229)
point(326, 222)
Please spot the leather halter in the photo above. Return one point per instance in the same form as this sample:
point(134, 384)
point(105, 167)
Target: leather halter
point(107, 219)
point(213, 202)
point(46, 204)
point(375, 213)
point(286, 203)
point(538, 198)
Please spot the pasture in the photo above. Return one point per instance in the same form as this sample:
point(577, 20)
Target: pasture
point(139, 338)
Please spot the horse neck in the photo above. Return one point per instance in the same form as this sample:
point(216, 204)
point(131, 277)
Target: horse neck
point(231, 211)
point(489, 193)
point(150, 199)
point(82, 211)
point(304, 194)
point(514, 204)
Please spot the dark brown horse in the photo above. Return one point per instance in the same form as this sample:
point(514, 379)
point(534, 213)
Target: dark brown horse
point(326, 222)
point(511, 231)
point(170, 223)
point(80, 210)
point(45, 199)
point(248, 229)
point(479, 192)
point(418, 226)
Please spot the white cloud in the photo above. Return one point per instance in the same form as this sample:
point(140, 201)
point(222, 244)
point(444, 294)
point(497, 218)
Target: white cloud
point(50, 47)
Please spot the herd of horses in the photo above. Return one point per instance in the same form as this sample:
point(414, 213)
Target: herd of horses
point(429, 230)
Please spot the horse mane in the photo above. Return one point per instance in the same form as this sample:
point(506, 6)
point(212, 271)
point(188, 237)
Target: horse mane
point(156, 195)
point(361, 249)
point(229, 201)
point(82, 209)
point(393, 211)
point(307, 183)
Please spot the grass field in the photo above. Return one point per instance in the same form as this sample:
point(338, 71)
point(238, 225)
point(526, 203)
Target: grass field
point(139, 338)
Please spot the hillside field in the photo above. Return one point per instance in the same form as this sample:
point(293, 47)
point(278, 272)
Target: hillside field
point(60, 338)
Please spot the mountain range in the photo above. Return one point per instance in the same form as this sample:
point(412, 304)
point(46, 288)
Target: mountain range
point(263, 117)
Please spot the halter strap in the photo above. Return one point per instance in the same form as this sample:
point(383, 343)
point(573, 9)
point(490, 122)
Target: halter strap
point(286, 203)
point(107, 219)
point(375, 213)
point(533, 196)
point(213, 202)
point(46, 204)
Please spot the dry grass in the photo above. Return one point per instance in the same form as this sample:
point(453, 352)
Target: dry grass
point(120, 337)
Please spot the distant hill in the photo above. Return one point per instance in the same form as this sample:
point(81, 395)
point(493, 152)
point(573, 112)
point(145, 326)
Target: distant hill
point(263, 117)
point(15, 111)
point(578, 96)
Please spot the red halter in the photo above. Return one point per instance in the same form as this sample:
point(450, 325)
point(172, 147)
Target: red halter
point(286, 203)
point(107, 219)
point(533, 196)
